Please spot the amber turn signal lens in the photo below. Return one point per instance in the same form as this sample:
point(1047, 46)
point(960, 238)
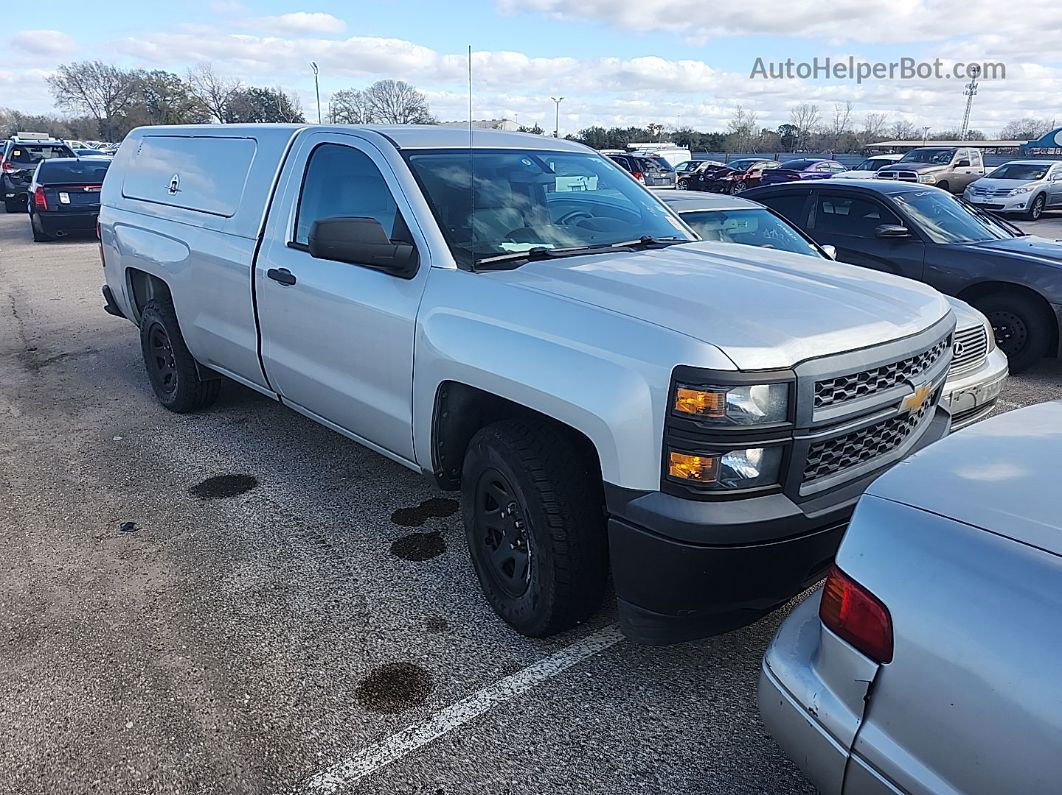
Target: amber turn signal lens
point(700, 403)
point(697, 468)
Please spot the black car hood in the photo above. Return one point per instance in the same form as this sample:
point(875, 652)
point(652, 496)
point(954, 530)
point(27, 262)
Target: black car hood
point(1033, 246)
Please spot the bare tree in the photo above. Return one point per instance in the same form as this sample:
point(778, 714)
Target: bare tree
point(349, 106)
point(805, 117)
point(903, 130)
point(96, 89)
point(741, 131)
point(396, 102)
point(874, 126)
point(1027, 129)
point(214, 91)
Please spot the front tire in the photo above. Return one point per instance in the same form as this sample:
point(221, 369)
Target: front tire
point(1022, 327)
point(944, 186)
point(738, 187)
point(533, 513)
point(1036, 209)
point(171, 368)
point(683, 184)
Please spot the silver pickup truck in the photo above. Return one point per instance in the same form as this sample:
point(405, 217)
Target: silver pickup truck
point(521, 320)
point(951, 168)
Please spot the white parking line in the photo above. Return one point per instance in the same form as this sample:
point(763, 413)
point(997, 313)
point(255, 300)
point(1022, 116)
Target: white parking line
point(351, 770)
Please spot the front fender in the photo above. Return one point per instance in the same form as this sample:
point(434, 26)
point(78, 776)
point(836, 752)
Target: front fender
point(605, 375)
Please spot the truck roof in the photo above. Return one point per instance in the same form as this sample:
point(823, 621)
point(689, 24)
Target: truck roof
point(402, 136)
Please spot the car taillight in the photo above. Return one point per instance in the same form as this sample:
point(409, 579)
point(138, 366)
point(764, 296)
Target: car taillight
point(6, 166)
point(638, 176)
point(857, 616)
point(40, 201)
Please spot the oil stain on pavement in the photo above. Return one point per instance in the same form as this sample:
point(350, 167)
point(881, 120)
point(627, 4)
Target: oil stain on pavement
point(222, 486)
point(393, 687)
point(419, 546)
point(431, 508)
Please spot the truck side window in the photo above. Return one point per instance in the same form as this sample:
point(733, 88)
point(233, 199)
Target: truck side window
point(341, 180)
point(846, 215)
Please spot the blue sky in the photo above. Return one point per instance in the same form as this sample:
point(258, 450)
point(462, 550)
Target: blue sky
point(679, 62)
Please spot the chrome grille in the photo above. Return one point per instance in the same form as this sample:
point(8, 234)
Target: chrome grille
point(903, 176)
point(971, 347)
point(997, 193)
point(831, 391)
point(842, 452)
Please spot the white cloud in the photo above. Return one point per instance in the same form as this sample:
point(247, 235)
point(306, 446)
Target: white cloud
point(301, 22)
point(873, 21)
point(51, 43)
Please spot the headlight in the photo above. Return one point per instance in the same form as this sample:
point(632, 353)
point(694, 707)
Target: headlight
point(1021, 190)
point(733, 469)
point(755, 404)
point(927, 178)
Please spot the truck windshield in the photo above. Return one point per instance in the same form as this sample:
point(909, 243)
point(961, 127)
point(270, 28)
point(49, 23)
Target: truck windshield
point(947, 220)
point(935, 156)
point(535, 199)
point(753, 227)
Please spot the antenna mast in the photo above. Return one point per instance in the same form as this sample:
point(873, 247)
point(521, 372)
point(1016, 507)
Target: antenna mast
point(970, 91)
point(471, 169)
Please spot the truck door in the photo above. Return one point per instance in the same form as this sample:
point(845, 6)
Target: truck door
point(850, 223)
point(337, 338)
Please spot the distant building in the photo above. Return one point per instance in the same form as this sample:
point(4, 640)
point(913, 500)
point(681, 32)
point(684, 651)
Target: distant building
point(985, 146)
point(1049, 143)
point(506, 125)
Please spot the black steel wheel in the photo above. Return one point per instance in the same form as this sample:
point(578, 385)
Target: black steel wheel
point(533, 508)
point(171, 369)
point(502, 532)
point(1023, 328)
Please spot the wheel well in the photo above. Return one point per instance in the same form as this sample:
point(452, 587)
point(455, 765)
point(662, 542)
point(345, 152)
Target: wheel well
point(461, 410)
point(144, 287)
point(981, 290)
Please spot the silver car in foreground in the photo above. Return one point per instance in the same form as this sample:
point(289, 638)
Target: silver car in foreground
point(1022, 186)
point(930, 660)
point(978, 369)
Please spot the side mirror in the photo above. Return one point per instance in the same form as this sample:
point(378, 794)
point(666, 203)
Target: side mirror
point(362, 241)
point(961, 164)
point(894, 231)
point(831, 251)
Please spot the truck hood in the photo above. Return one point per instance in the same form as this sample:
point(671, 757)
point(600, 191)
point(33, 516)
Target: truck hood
point(918, 168)
point(1034, 246)
point(763, 308)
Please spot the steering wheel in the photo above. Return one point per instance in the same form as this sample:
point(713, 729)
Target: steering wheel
point(570, 217)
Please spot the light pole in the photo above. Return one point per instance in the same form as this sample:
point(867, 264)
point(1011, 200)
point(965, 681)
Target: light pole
point(317, 89)
point(556, 124)
point(925, 135)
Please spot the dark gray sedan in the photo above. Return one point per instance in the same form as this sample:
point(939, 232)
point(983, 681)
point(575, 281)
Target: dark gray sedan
point(927, 234)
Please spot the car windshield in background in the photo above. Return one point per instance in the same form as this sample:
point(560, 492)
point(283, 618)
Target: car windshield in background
point(28, 154)
point(80, 172)
point(798, 165)
point(751, 227)
point(1023, 171)
point(930, 155)
point(532, 199)
point(871, 164)
point(947, 220)
point(662, 163)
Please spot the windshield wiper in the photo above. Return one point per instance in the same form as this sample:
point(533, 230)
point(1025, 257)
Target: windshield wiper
point(539, 253)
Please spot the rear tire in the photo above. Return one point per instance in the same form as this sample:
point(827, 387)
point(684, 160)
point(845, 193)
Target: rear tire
point(1036, 209)
point(683, 184)
point(39, 235)
point(170, 367)
point(533, 513)
point(1022, 327)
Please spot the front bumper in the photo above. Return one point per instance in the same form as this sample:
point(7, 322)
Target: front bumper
point(973, 395)
point(685, 569)
point(1002, 204)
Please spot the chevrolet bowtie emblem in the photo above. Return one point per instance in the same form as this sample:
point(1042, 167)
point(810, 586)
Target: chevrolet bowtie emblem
point(914, 402)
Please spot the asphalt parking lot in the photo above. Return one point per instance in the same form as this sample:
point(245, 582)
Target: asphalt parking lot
point(242, 601)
